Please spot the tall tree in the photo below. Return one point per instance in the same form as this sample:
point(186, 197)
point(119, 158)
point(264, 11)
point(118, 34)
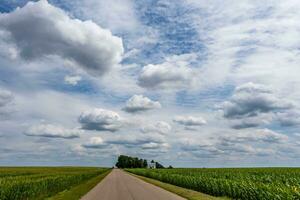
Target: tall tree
point(131, 162)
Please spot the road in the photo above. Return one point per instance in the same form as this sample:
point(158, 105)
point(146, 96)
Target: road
point(119, 185)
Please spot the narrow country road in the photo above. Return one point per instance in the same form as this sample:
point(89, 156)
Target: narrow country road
point(119, 185)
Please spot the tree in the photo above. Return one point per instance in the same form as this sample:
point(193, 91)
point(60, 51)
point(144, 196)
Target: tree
point(130, 162)
point(145, 164)
point(135, 162)
point(158, 165)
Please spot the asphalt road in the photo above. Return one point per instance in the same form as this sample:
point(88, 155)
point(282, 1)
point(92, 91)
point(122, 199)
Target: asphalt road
point(119, 185)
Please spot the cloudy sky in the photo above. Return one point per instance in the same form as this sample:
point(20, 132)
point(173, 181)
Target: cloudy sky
point(191, 83)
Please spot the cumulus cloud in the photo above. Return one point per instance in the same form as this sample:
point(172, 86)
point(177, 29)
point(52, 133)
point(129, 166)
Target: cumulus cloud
point(252, 88)
point(153, 141)
point(100, 120)
point(246, 124)
point(160, 127)
point(289, 118)
point(152, 145)
point(138, 103)
point(174, 73)
point(246, 143)
point(52, 131)
point(250, 122)
point(251, 100)
point(203, 148)
point(189, 121)
point(40, 30)
point(95, 143)
point(6, 98)
point(260, 135)
point(237, 144)
point(137, 139)
point(194, 145)
point(255, 105)
point(72, 80)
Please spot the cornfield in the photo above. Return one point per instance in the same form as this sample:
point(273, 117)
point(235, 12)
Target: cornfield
point(41, 182)
point(243, 183)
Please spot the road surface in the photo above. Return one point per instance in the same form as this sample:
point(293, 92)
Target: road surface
point(119, 185)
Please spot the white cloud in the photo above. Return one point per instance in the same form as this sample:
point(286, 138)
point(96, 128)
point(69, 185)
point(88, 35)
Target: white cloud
point(100, 120)
point(252, 88)
point(253, 99)
point(117, 15)
point(254, 121)
point(72, 80)
point(95, 143)
point(153, 145)
point(6, 99)
point(159, 127)
point(41, 30)
point(174, 73)
point(239, 41)
point(52, 131)
point(144, 141)
point(289, 118)
point(138, 103)
point(248, 41)
point(255, 105)
point(270, 136)
point(52, 106)
point(237, 144)
point(7, 49)
point(190, 120)
point(202, 148)
point(260, 135)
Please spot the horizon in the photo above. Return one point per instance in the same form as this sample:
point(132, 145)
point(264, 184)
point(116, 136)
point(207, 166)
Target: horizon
point(183, 83)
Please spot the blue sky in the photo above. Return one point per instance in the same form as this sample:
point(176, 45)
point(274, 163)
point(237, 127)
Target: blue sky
point(188, 83)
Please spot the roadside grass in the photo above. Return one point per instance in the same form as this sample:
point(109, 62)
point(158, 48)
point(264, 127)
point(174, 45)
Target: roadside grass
point(185, 193)
point(80, 190)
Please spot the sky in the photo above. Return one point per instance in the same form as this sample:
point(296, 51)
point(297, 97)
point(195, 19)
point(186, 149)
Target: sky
point(189, 83)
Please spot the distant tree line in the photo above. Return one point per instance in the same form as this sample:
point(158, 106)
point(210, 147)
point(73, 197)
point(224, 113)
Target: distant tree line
point(131, 162)
point(134, 162)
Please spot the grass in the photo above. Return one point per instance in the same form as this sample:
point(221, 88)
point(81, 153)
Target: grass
point(80, 190)
point(185, 193)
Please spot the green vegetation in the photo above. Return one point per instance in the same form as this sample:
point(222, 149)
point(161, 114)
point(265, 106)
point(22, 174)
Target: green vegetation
point(131, 162)
point(80, 190)
point(243, 183)
point(134, 162)
point(41, 182)
point(183, 192)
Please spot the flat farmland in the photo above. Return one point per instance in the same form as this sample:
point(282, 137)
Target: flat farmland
point(42, 182)
point(236, 183)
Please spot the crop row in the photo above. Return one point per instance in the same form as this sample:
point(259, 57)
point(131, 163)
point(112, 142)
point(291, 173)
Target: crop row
point(248, 184)
point(38, 183)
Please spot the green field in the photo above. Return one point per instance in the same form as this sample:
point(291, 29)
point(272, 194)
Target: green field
point(236, 183)
point(41, 182)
